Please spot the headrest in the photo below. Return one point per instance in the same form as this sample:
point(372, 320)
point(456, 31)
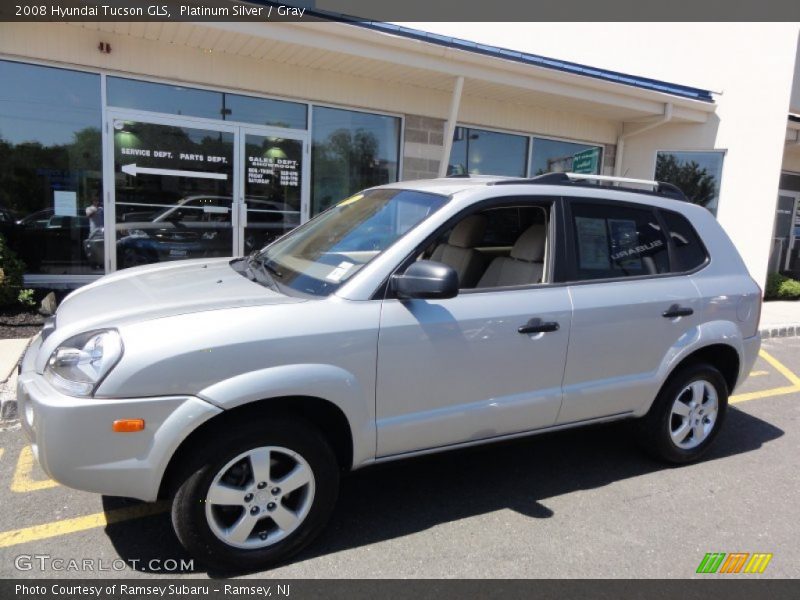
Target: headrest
point(530, 245)
point(469, 232)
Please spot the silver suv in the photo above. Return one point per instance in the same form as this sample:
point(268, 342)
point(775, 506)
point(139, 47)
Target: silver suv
point(410, 318)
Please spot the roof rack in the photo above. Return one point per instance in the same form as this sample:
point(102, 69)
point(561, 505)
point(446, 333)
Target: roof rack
point(660, 188)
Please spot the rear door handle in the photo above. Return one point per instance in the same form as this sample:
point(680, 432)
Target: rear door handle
point(677, 311)
point(538, 326)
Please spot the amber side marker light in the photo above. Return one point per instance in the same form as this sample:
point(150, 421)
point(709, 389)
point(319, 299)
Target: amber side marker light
point(127, 425)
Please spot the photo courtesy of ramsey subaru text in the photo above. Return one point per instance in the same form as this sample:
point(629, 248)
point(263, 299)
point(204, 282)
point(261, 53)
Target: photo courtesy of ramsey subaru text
point(410, 318)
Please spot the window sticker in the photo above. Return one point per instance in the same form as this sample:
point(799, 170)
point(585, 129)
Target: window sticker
point(624, 243)
point(629, 245)
point(339, 272)
point(350, 200)
point(592, 243)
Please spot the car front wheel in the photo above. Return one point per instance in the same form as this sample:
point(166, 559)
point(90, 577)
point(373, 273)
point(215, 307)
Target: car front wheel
point(258, 497)
point(686, 416)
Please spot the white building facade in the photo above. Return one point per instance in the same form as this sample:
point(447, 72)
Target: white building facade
point(128, 143)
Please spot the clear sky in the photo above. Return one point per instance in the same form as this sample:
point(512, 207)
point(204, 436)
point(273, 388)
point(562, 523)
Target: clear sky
point(671, 52)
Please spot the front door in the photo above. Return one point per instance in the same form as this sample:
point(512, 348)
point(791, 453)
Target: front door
point(182, 188)
point(458, 370)
point(487, 363)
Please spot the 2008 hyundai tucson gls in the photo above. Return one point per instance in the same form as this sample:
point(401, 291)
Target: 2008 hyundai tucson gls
point(410, 318)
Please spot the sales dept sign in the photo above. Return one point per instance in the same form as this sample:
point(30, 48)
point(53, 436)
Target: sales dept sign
point(586, 161)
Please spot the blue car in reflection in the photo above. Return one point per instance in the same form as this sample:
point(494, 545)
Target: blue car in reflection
point(194, 227)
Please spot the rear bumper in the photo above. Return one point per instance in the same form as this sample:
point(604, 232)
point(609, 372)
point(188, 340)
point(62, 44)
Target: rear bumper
point(750, 349)
point(75, 445)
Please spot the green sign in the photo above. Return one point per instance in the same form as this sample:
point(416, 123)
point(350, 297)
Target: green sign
point(586, 161)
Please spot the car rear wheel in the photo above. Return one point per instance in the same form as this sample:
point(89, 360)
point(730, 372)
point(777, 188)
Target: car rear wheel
point(686, 416)
point(258, 497)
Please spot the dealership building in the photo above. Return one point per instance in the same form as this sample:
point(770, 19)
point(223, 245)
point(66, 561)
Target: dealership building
point(128, 143)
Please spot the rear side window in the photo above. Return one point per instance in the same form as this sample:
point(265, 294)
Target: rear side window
point(689, 252)
point(617, 241)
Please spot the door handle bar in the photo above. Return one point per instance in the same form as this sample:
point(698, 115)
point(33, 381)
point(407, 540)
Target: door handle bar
point(677, 311)
point(538, 326)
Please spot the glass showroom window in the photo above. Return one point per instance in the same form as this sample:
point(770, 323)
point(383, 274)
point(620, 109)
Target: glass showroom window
point(556, 156)
point(50, 165)
point(210, 104)
point(483, 152)
point(351, 151)
point(698, 174)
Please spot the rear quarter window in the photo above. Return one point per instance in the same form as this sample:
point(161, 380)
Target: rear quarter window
point(688, 251)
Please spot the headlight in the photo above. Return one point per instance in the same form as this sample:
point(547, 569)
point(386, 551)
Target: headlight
point(78, 365)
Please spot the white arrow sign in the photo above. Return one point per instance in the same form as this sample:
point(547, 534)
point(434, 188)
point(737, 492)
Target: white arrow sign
point(132, 169)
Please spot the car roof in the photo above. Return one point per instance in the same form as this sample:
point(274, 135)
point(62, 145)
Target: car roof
point(448, 186)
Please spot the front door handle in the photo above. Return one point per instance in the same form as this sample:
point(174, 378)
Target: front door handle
point(677, 311)
point(538, 326)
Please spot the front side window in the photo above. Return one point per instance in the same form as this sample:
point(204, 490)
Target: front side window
point(498, 247)
point(697, 174)
point(317, 258)
point(617, 241)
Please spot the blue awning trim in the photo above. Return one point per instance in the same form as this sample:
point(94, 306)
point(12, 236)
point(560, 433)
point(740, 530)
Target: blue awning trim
point(674, 89)
point(646, 83)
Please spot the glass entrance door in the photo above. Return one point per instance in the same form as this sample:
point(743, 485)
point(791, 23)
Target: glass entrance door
point(183, 188)
point(173, 190)
point(273, 180)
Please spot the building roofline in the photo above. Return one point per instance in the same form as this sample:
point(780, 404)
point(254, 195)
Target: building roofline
point(646, 83)
point(607, 75)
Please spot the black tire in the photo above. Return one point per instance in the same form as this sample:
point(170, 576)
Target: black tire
point(189, 505)
point(654, 429)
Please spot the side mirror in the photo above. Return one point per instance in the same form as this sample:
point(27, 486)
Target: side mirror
point(426, 279)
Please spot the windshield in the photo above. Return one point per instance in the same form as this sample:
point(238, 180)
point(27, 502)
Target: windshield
point(320, 256)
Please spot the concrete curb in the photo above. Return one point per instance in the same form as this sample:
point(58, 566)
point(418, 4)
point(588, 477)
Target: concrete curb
point(8, 392)
point(776, 331)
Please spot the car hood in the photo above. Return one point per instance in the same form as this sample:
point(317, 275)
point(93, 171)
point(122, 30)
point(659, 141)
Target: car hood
point(161, 290)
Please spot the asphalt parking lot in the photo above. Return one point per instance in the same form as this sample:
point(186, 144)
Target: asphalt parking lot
point(581, 503)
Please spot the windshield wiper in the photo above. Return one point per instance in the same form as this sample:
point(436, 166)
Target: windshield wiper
point(269, 267)
point(267, 271)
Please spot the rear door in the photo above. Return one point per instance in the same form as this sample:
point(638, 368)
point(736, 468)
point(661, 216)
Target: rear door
point(629, 310)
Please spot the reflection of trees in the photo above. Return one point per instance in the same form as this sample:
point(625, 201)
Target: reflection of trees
point(176, 140)
point(173, 139)
point(29, 171)
point(344, 163)
point(696, 182)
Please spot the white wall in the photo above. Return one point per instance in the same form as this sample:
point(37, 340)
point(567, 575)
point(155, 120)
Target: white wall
point(750, 67)
point(794, 105)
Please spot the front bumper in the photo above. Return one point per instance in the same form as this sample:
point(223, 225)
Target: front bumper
point(75, 445)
